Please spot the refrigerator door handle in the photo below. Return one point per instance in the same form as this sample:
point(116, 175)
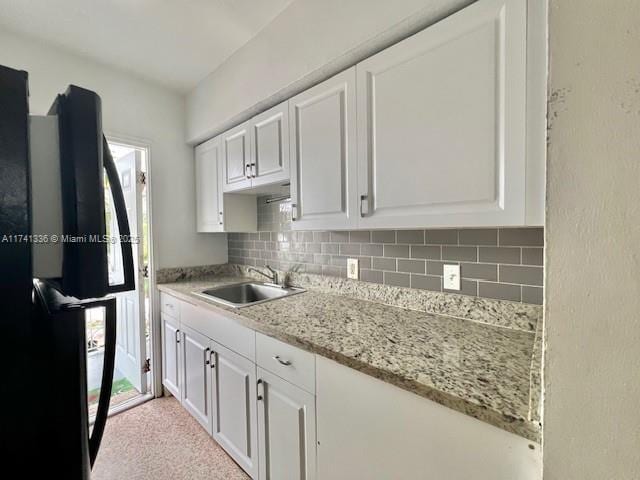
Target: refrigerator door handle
point(123, 222)
point(107, 374)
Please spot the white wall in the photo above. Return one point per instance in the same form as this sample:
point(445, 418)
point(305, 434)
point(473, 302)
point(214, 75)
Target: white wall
point(133, 108)
point(592, 376)
point(306, 43)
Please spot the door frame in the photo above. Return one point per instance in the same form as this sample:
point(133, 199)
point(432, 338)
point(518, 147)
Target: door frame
point(154, 300)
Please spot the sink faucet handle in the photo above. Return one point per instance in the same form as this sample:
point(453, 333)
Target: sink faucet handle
point(274, 274)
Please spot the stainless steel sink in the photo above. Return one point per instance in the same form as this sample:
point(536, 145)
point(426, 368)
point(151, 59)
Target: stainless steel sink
point(246, 294)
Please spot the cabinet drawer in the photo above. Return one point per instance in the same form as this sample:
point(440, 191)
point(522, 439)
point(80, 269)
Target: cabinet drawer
point(288, 362)
point(170, 305)
point(219, 328)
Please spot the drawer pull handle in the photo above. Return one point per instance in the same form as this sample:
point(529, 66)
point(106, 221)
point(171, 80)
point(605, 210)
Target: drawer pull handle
point(286, 363)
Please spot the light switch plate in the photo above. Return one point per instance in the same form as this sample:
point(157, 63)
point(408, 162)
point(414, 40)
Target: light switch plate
point(451, 277)
point(352, 268)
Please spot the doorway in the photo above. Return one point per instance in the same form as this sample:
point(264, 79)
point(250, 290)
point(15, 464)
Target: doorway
point(131, 379)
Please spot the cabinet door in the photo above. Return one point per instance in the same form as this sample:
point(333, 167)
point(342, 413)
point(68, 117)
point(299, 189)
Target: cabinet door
point(370, 429)
point(270, 146)
point(208, 192)
point(233, 403)
point(323, 154)
point(287, 430)
point(171, 354)
point(441, 123)
point(195, 374)
point(236, 152)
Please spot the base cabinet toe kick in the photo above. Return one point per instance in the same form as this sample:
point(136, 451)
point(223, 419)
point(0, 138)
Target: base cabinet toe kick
point(284, 413)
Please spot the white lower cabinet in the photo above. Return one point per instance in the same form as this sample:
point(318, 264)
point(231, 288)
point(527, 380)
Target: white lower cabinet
point(370, 429)
point(171, 354)
point(215, 383)
point(299, 416)
point(287, 429)
point(233, 406)
point(195, 375)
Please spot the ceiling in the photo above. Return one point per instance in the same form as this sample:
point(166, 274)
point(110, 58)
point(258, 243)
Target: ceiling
point(173, 42)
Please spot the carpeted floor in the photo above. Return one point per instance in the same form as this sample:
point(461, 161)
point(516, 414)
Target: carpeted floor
point(159, 440)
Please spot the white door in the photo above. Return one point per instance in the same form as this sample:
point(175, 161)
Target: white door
point(209, 213)
point(287, 430)
point(441, 123)
point(171, 355)
point(131, 339)
point(195, 375)
point(323, 155)
point(270, 146)
point(233, 402)
point(236, 163)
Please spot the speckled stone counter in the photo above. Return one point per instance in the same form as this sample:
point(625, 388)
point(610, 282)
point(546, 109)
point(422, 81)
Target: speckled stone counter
point(482, 370)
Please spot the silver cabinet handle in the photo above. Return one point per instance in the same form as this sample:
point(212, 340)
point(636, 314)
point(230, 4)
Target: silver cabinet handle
point(294, 212)
point(286, 363)
point(364, 205)
point(177, 336)
point(207, 358)
point(212, 356)
point(253, 170)
point(220, 218)
point(246, 167)
point(259, 382)
point(169, 305)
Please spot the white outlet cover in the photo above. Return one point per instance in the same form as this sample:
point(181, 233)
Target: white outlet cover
point(451, 277)
point(352, 268)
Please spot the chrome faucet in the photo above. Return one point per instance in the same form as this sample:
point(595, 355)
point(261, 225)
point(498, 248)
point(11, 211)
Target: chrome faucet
point(273, 277)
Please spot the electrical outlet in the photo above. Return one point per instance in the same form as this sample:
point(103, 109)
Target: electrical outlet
point(352, 268)
point(451, 277)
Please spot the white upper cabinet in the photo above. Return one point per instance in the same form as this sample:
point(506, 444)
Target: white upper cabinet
point(270, 146)
point(209, 200)
point(443, 129)
point(442, 123)
point(256, 153)
point(236, 155)
point(217, 211)
point(323, 154)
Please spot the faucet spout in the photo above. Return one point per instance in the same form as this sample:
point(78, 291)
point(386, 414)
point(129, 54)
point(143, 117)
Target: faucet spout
point(273, 276)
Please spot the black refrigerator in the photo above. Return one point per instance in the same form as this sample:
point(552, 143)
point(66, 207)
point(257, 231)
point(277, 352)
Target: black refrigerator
point(55, 250)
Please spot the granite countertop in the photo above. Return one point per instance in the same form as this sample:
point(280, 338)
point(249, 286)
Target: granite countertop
point(481, 370)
